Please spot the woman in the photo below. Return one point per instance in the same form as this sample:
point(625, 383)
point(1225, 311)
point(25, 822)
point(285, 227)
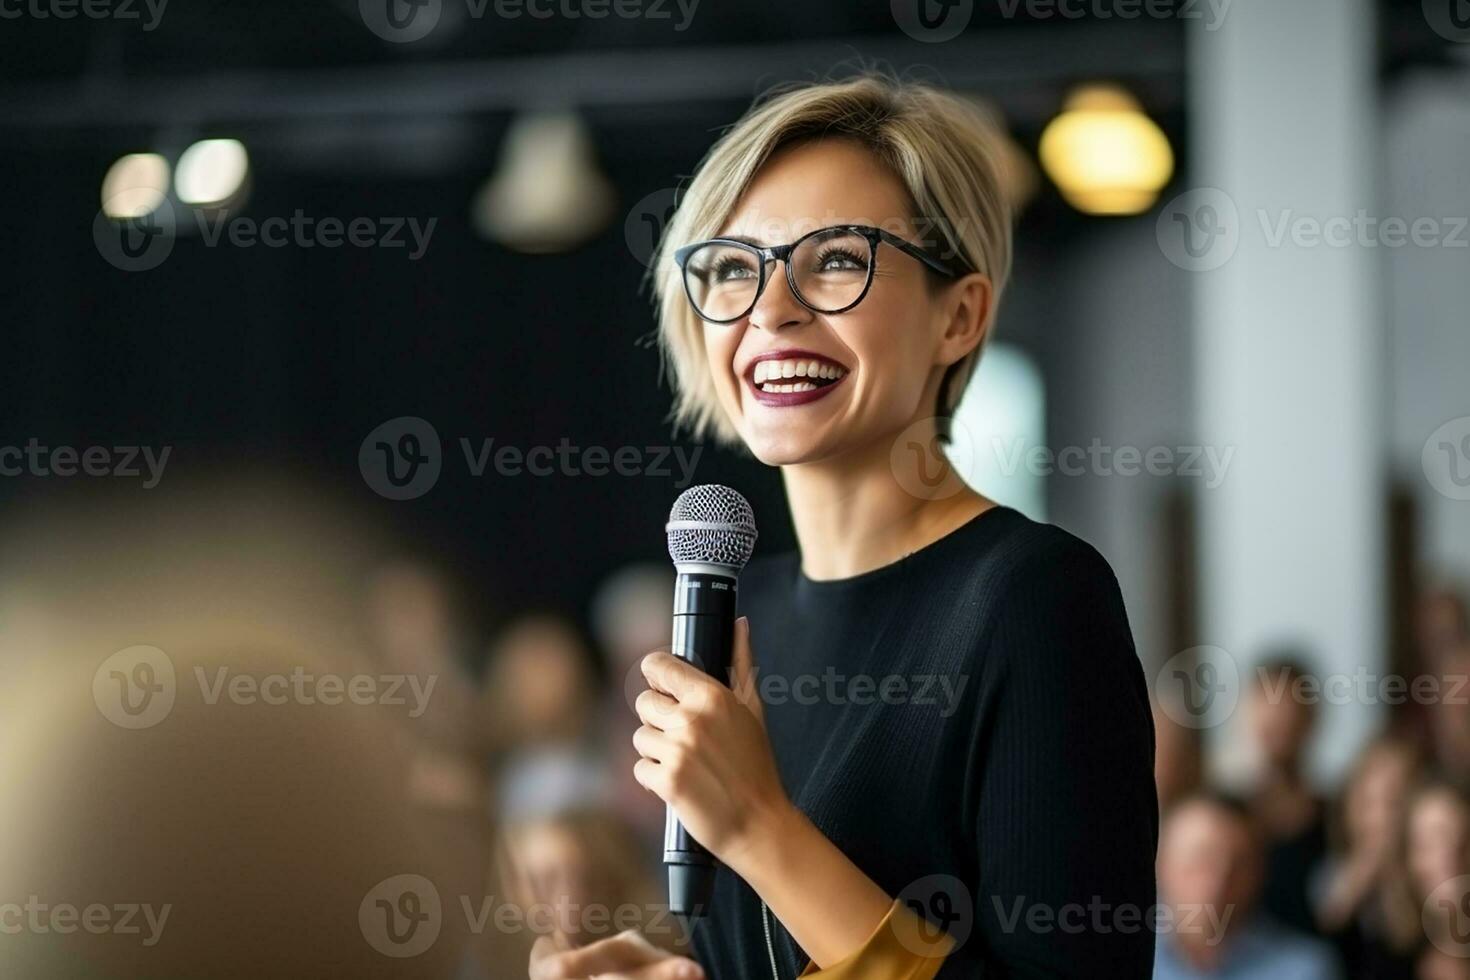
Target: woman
point(1358, 907)
point(1283, 801)
point(951, 719)
point(1429, 900)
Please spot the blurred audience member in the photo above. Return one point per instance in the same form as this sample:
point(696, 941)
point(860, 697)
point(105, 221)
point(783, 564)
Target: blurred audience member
point(1438, 964)
point(413, 629)
point(182, 739)
point(1178, 757)
point(1449, 713)
point(260, 839)
point(1436, 850)
point(578, 873)
point(632, 614)
point(538, 701)
point(1210, 874)
point(1286, 808)
point(1358, 888)
point(1441, 625)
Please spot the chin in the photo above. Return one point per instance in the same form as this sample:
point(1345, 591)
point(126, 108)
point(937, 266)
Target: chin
point(781, 452)
point(793, 446)
point(784, 447)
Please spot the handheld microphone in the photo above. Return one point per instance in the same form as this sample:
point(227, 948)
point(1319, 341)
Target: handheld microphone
point(711, 534)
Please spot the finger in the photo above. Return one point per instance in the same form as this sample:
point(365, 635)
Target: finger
point(653, 777)
point(743, 671)
point(543, 950)
point(677, 678)
point(657, 709)
point(622, 953)
point(652, 744)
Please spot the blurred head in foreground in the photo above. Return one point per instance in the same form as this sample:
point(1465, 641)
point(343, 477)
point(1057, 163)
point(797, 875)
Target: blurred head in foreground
point(201, 779)
point(245, 836)
point(1209, 872)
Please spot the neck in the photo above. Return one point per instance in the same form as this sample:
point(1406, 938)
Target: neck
point(852, 513)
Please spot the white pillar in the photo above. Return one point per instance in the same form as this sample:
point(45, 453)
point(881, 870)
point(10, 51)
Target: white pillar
point(1288, 349)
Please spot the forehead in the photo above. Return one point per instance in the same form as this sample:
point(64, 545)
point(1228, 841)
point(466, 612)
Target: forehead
point(817, 183)
point(1198, 827)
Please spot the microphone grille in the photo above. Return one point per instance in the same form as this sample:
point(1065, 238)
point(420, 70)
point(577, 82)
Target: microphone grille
point(713, 525)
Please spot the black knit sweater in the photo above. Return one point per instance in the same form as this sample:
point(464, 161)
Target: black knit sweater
point(970, 726)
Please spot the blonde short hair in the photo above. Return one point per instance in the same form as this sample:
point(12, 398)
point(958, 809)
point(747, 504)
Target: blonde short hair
point(944, 149)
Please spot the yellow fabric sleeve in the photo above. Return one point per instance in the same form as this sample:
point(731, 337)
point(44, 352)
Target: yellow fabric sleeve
point(903, 947)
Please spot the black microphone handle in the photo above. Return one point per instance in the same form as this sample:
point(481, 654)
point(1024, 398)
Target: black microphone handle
point(704, 635)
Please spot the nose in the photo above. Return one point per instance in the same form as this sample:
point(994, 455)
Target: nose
point(777, 307)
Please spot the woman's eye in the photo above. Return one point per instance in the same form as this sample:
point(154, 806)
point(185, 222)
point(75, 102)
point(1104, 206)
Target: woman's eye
point(732, 269)
point(840, 262)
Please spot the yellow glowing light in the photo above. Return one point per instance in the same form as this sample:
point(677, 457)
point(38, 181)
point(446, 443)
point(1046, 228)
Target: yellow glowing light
point(1104, 154)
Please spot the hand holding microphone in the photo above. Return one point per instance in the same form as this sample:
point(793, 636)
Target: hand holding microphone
point(704, 747)
point(705, 750)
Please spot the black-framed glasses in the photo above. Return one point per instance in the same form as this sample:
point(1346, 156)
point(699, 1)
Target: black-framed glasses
point(829, 270)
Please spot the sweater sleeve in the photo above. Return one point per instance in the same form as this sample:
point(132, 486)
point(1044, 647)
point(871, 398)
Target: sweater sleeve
point(903, 947)
point(1061, 786)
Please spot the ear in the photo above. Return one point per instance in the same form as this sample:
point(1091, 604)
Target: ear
point(967, 315)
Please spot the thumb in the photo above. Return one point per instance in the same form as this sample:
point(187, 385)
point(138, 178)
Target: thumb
point(674, 968)
point(743, 671)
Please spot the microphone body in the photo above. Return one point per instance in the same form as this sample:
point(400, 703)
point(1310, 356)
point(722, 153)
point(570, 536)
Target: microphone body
point(704, 635)
point(711, 534)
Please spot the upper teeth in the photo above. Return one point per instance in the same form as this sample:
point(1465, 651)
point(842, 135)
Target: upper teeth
point(772, 369)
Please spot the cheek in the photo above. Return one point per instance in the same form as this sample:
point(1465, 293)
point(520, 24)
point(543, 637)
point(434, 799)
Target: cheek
point(894, 353)
point(720, 345)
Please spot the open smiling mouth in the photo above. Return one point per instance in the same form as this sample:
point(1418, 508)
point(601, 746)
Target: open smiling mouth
point(794, 378)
